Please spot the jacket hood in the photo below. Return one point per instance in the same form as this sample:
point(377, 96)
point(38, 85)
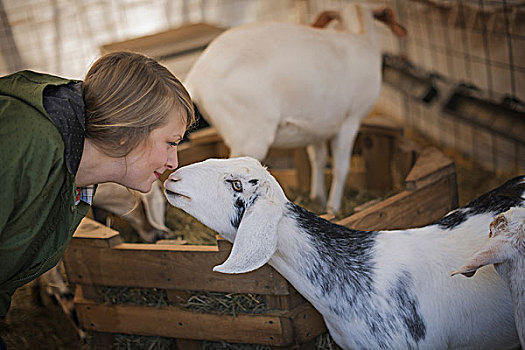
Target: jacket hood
point(58, 99)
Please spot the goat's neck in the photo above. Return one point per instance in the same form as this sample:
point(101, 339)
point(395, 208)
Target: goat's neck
point(323, 261)
point(512, 272)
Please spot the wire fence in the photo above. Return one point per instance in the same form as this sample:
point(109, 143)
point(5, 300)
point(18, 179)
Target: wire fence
point(459, 76)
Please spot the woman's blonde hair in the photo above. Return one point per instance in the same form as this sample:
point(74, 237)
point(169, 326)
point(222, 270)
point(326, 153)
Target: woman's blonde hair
point(127, 95)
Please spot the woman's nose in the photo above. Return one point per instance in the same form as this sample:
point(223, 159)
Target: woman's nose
point(172, 162)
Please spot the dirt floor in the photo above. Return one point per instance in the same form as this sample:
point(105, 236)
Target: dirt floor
point(32, 324)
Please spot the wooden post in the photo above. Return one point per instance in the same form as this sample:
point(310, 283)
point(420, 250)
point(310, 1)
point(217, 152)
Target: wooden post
point(189, 344)
point(377, 153)
point(102, 341)
point(302, 165)
point(378, 137)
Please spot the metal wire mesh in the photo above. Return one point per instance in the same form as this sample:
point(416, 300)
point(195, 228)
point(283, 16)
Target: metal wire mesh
point(479, 44)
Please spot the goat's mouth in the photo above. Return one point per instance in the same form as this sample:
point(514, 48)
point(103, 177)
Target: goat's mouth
point(171, 194)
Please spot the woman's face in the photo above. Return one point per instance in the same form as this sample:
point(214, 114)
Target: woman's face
point(157, 154)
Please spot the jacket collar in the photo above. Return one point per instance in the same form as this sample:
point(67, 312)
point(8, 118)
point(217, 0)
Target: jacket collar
point(65, 106)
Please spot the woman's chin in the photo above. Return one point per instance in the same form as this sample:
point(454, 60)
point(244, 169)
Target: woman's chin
point(144, 187)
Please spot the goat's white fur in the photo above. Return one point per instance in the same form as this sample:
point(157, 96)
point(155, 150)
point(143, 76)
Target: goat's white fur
point(506, 250)
point(286, 85)
point(457, 313)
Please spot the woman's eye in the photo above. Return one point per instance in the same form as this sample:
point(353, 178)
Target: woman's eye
point(173, 144)
point(237, 186)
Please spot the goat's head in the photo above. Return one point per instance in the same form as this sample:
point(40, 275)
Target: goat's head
point(236, 197)
point(507, 240)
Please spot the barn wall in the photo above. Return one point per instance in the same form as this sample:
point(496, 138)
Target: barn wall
point(477, 43)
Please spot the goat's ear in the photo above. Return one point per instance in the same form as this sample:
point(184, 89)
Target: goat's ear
point(256, 238)
point(493, 252)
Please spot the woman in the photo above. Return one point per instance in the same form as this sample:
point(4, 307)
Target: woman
point(59, 138)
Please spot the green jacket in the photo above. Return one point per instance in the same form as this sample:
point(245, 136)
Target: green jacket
point(38, 215)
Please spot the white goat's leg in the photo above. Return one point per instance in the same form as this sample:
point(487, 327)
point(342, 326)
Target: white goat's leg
point(318, 155)
point(342, 145)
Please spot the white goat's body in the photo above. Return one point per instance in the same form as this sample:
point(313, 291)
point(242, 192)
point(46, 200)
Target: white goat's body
point(448, 306)
point(286, 85)
point(297, 82)
point(375, 290)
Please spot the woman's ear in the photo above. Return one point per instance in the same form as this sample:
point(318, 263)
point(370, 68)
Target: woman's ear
point(256, 238)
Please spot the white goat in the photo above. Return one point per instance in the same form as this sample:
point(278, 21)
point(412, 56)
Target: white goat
point(287, 85)
point(506, 250)
point(375, 290)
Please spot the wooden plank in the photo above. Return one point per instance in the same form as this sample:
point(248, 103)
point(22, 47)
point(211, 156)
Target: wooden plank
point(189, 153)
point(93, 233)
point(408, 208)
point(377, 153)
point(381, 125)
point(89, 292)
point(189, 344)
point(403, 160)
point(287, 178)
point(302, 165)
point(308, 323)
point(174, 322)
point(170, 42)
point(205, 136)
point(102, 341)
point(431, 165)
point(175, 267)
point(285, 302)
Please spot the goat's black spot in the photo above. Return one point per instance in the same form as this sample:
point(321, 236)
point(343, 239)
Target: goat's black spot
point(240, 207)
point(253, 199)
point(407, 306)
point(254, 181)
point(497, 201)
point(342, 268)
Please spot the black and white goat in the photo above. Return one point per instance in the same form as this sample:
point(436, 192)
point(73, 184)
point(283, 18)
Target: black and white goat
point(375, 290)
point(506, 250)
point(288, 85)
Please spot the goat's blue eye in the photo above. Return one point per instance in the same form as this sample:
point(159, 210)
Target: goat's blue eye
point(237, 186)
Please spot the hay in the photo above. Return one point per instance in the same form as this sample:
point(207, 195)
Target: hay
point(137, 342)
point(185, 227)
point(325, 342)
point(136, 296)
point(199, 301)
point(210, 345)
point(134, 342)
point(226, 303)
point(351, 199)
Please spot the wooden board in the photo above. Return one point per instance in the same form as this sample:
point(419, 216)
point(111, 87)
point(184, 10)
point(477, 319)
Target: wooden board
point(169, 321)
point(184, 267)
point(274, 328)
point(407, 209)
point(431, 193)
point(169, 43)
point(97, 257)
